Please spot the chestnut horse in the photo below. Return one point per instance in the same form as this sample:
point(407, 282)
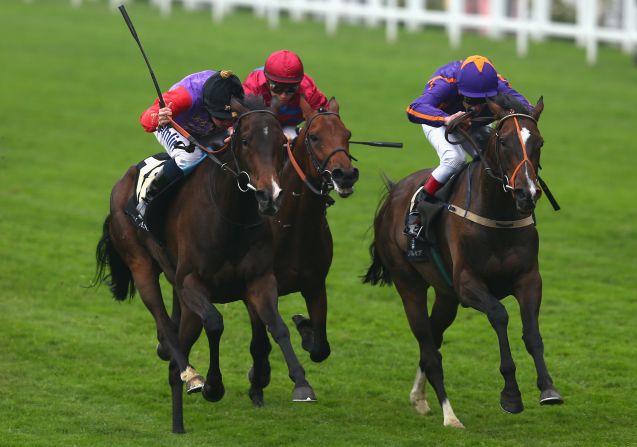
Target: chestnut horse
point(490, 251)
point(319, 162)
point(218, 248)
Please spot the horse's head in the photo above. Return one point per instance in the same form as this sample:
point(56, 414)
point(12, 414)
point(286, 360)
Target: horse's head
point(515, 150)
point(257, 145)
point(327, 141)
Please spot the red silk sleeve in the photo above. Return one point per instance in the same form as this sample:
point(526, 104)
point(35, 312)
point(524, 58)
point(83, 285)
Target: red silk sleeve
point(179, 101)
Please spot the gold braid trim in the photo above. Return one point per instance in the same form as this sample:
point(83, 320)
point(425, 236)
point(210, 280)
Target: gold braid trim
point(225, 74)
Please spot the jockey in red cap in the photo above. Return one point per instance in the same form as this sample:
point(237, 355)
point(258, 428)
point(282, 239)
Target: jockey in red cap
point(451, 90)
point(283, 77)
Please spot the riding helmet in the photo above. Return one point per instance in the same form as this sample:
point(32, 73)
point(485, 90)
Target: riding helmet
point(284, 66)
point(218, 90)
point(477, 78)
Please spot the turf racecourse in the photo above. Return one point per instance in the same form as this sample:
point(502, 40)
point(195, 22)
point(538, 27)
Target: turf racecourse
point(77, 369)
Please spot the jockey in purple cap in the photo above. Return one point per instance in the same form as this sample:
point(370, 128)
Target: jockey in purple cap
point(451, 90)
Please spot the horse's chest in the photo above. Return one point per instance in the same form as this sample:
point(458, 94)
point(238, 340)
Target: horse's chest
point(493, 259)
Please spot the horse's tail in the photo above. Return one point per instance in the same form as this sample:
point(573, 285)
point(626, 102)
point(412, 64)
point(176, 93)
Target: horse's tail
point(377, 273)
point(119, 280)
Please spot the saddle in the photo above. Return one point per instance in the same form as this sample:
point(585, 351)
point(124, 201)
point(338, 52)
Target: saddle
point(154, 220)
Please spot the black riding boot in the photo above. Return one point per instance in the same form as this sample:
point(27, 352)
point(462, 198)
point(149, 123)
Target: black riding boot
point(417, 245)
point(169, 173)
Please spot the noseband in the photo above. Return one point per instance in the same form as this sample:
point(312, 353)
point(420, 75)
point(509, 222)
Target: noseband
point(324, 174)
point(243, 178)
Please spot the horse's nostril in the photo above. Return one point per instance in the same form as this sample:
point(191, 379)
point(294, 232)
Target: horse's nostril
point(355, 174)
point(338, 174)
point(262, 195)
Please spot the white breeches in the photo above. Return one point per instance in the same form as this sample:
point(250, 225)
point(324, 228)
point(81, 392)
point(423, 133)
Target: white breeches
point(452, 156)
point(176, 145)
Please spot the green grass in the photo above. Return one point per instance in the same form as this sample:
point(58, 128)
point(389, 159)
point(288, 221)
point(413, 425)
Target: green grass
point(77, 369)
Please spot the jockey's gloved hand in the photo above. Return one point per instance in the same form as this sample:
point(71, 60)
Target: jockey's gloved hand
point(181, 145)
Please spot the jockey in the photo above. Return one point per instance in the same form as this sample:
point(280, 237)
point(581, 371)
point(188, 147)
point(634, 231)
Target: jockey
point(453, 89)
point(283, 77)
point(200, 103)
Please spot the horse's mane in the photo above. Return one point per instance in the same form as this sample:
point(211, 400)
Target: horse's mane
point(509, 102)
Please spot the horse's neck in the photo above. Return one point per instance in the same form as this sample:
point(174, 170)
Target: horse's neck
point(487, 197)
point(218, 189)
point(300, 203)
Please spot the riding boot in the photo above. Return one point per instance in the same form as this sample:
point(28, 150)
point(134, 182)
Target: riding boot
point(418, 246)
point(167, 174)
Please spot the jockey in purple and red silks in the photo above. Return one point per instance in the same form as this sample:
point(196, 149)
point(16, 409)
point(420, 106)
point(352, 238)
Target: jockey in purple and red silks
point(451, 90)
point(283, 77)
point(200, 103)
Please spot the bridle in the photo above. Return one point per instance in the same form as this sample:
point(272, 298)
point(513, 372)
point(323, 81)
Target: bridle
point(324, 174)
point(506, 181)
point(242, 177)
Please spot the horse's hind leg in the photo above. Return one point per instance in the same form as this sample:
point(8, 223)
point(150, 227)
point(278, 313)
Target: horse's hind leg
point(260, 348)
point(261, 296)
point(529, 296)
point(313, 330)
point(413, 292)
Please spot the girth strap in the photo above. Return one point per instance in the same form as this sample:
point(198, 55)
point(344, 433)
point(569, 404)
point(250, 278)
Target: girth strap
point(491, 223)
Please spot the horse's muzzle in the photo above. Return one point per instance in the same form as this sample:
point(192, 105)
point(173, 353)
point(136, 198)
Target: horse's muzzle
point(525, 200)
point(268, 204)
point(344, 180)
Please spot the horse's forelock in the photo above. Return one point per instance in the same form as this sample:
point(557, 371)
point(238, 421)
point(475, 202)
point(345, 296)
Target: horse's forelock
point(253, 102)
point(509, 102)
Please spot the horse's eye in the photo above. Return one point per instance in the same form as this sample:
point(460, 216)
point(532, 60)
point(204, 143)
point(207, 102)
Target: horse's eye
point(502, 142)
point(313, 138)
point(244, 141)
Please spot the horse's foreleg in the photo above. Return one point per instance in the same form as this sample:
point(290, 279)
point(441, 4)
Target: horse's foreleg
point(261, 296)
point(474, 293)
point(175, 316)
point(529, 296)
point(414, 296)
point(260, 348)
point(443, 313)
point(314, 330)
point(146, 281)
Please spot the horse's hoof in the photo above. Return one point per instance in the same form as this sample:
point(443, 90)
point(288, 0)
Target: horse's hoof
point(303, 393)
point(213, 393)
point(195, 385)
point(421, 406)
point(179, 430)
point(162, 353)
point(511, 403)
point(550, 397)
point(256, 396)
point(453, 422)
point(320, 354)
point(304, 326)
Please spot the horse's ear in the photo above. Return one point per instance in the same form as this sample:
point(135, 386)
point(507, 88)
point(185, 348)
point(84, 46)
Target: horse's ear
point(236, 106)
point(306, 108)
point(275, 105)
point(537, 110)
point(332, 105)
point(498, 112)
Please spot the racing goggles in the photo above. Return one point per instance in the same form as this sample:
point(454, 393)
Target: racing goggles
point(277, 87)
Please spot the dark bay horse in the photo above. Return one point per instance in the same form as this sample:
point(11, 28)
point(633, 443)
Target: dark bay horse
point(218, 248)
point(319, 162)
point(491, 252)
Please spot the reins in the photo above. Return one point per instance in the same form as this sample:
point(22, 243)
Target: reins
point(507, 183)
point(239, 174)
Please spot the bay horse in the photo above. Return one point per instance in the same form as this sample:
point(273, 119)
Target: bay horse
point(319, 162)
point(218, 248)
point(488, 243)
